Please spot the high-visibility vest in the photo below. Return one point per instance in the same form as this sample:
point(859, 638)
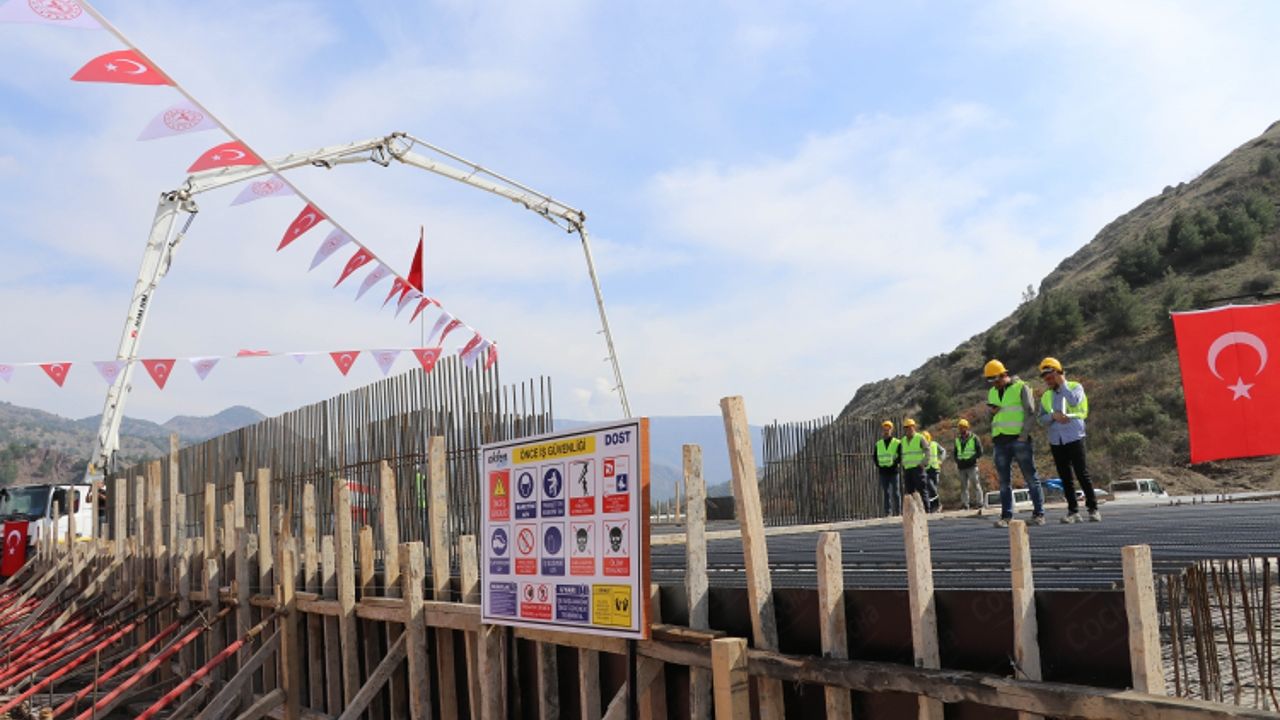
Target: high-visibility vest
point(1009, 412)
point(1078, 412)
point(935, 456)
point(913, 451)
point(966, 450)
point(887, 452)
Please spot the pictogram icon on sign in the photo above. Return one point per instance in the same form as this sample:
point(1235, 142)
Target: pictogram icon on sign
point(528, 593)
point(543, 593)
point(499, 490)
point(525, 541)
point(499, 541)
point(525, 484)
point(552, 540)
point(552, 482)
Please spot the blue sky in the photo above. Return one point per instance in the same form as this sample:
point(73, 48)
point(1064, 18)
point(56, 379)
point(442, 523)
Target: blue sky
point(787, 200)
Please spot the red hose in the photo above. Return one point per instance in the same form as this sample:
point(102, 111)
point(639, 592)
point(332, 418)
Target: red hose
point(70, 666)
point(118, 667)
point(183, 686)
point(48, 657)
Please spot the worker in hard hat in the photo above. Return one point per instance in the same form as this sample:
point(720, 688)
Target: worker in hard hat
point(888, 460)
point(1063, 409)
point(1013, 417)
point(968, 450)
point(915, 456)
point(932, 470)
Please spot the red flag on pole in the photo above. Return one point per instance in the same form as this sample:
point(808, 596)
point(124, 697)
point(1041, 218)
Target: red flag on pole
point(57, 372)
point(1231, 385)
point(415, 268)
point(344, 359)
point(307, 219)
point(159, 370)
point(227, 154)
point(15, 547)
point(121, 66)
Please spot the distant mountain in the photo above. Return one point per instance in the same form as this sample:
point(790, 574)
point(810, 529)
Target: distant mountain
point(667, 437)
point(195, 428)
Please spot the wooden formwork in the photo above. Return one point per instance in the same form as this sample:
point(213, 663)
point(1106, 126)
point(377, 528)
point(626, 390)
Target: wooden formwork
point(341, 626)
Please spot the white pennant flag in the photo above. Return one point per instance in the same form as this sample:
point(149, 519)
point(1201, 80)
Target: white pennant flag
point(475, 353)
point(406, 299)
point(63, 13)
point(379, 274)
point(110, 369)
point(6, 372)
point(298, 357)
point(178, 119)
point(444, 319)
point(385, 359)
point(336, 239)
point(204, 365)
point(273, 186)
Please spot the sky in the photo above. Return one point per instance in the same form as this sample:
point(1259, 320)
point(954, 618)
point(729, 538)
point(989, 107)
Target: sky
point(785, 200)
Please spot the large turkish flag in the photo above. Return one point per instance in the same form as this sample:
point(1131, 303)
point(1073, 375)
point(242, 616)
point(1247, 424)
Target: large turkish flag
point(1231, 380)
point(15, 548)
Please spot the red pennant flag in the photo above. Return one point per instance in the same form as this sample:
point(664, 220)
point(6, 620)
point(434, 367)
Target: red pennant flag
point(426, 302)
point(344, 359)
point(15, 547)
point(159, 370)
point(307, 219)
point(1230, 380)
point(427, 356)
point(121, 66)
point(228, 154)
point(493, 357)
point(57, 372)
point(253, 353)
point(471, 344)
point(453, 325)
point(360, 259)
point(398, 287)
point(415, 269)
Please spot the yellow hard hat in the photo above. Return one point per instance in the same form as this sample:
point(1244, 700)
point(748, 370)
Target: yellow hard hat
point(962, 423)
point(993, 368)
point(887, 424)
point(909, 422)
point(1050, 364)
point(927, 436)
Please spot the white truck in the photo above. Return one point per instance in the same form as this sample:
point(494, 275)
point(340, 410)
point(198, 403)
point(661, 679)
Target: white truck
point(37, 504)
point(1137, 489)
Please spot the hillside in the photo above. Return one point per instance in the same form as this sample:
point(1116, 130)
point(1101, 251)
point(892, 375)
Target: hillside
point(37, 446)
point(1104, 312)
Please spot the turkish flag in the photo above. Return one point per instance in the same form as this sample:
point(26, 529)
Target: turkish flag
point(227, 154)
point(57, 372)
point(360, 259)
point(1231, 384)
point(307, 219)
point(344, 359)
point(427, 356)
point(493, 357)
point(398, 287)
point(121, 66)
point(415, 268)
point(159, 370)
point(426, 303)
point(15, 547)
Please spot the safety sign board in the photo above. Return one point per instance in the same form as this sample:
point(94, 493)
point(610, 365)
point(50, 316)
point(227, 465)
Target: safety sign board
point(567, 530)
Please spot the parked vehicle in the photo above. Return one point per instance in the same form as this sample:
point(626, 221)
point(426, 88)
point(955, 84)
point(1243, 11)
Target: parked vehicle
point(1137, 489)
point(1021, 499)
point(37, 504)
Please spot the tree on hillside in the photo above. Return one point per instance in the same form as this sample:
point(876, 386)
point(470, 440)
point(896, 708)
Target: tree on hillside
point(1183, 243)
point(1139, 262)
point(1119, 310)
point(938, 402)
point(1262, 210)
point(1052, 320)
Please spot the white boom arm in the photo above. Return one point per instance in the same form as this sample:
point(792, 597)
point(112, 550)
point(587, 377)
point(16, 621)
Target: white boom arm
point(158, 256)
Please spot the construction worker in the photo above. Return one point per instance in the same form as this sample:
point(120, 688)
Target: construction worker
point(888, 458)
point(968, 450)
point(1013, 416)
point(915, 452)
point(932, 469)
point(1063, 409)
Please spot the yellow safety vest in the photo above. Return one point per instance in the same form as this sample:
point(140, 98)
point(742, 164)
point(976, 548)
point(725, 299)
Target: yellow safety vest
point(935, 453)
point(1079, 412)
point(1010, 414)
point(887, 452)
point(967, 450)
point(913, 451)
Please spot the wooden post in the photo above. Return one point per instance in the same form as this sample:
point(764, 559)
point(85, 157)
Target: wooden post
point(439, 520)
point(290, 651)
point(210, 522)
point(346, 572)
point(243, 614)
point(589, 683)
point(831, 622)
point(140, 525)
point(746, 492)
point(695, 577)
point(332, 628)
point(729, 672)
point(470, 575)
point(183, 574)
point(266, 557)
point(311, 583)
point(389, 526)
point(412, 571)
point(1026, 632)
point(367, 580)
point(653, 700)
point(548, 681)
point(924, 617)
point(120, 515)
point(1144, 621)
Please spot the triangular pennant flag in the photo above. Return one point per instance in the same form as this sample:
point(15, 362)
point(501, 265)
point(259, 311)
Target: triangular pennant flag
point(159, 370)
point(336, 239)
point(228, 154)
point(385, 359)
point(253, 353)
point(6, 372)
point(178, 119)
point(471, 345)
point(379, 274)
point(203, 365)
point(454, 324)
point(298, 357)
point(415, 268)
point(63, 13)
point(121, 66)
point(473, 355)
point(397, 288)
point(57, 372)
point(344, 359)
point(444, 319)
point(493, 356)
point(307, 219)
point(426, 302)
point(360, 259)
point(409, 296)
point(274, 186)
point(110, 369)
point(427, 356)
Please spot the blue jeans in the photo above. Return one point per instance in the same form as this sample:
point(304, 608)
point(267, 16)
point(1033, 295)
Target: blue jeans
point(889, 487)
point(1005, 455)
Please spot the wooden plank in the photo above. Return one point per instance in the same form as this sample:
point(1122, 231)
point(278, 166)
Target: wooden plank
point(367, 579)
point(831, 620)
point(746, 492)
point(263, 706)
point(412, 569)
point(290, 650)
point(695, 578)
point(1026, 632)
point(225, 701)
point(1144, 622)
point(389, 525)
point(243, 609)
point(589, 684)
point(493, 672)
point(311, 582)
point(183, 571)
point(645, 675)
point(212, 578)
point(469, 570)
point(332, 634)
point(344, 549)
point(652, 700)
point(266, 555)
point(923, 612)
point(729, 675)
point(377, 679)
point(548, 682)
point(438, 519)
